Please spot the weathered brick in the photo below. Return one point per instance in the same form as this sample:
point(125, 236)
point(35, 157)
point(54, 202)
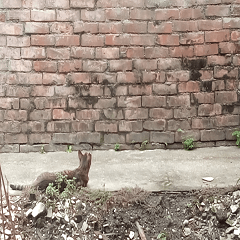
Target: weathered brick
point(114, 138)
point(10, 4)
point(169, 64)
point(45, 66)
point(33, 4)
point(163, 4)
point(36, 27)
point(185, 112)
point(121, 90)
point(81, 78)
point(18, 91)
point(65, 90)
point(160, 27)
point(68, 15)
point(53, 78)
point(58, 53)
point(153, 101)
point(227, 47)
point(46, 102)
point(43, 15)
point(35, 138)
point(129, 102)
point(135, 114)
point(206, 50)
point(82, 3)
point(166, 14)
point(203, 123)
point(130, 126)
point(10, 53)
point(168, 40)
point(33, 53)
point(182, 51)
point(181, 100)
point(161, 113)
point(142, 40)
point(117, 14)
point(142, 64)
point(71, 40)
point(61, 27)
point(140, 90)
point(155, 52)
point(150, 77)
point(225, 72)
point(11, 28)
point(9, 103)
point(42, 40)
point(226, 97)
point(88, 114)
point(116, 40)
point(220, 11)
point(120, 65)
point(61, 114)
point(209, 109)
point(227, 120)
point(208, 25)
point(235, 35)
point(107, 53)
point(231, 22)
point(94, 66)
point(15, 138)
point(47, 91)
point(219, 60)
point(110, 27)
point(2, 16)
point(97, 15)
point(20, 15)
point(106, 103)
point(82, 52)
point(164, 89)
point(174, 125)
point(157, 125)
point(162, 137)
point(20, 65)
point(217, 36)
point(190, 86)
point(93, 138)
point(38, 115)
point(207, 2)
point(134, 27)
point(89, 40)
point(15, 115)
point(200, 98)
point(25, 78)
point(206, 74)
point(192, 38)
point(113, 114)
point(3, 65)
point(136, 137)
point(192, 13)
point(212, 135)
point(185, 26)
point(3, 40)
point(57, 3)
point(141, 14)
point(180, 136)
point(69, 66)
point(102, 126)
point(178, 76)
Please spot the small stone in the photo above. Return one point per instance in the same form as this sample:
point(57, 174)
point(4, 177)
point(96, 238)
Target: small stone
point(229, 230)
point(204, 215)
point(234, 208)
point(84, 226)
point(185, 222)
point(236, 232)
point(186, 231)
point(49, 212)
point(8, 232)
point(100, 237)
point(131, 234)
point(38, 209)
point(29, 211)
point(236, 193)
point(208, 179)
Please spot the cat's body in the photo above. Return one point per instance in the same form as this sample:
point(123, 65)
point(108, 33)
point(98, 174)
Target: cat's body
point(80, 174)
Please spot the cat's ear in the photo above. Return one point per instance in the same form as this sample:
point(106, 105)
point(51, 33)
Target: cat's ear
point(80, 155)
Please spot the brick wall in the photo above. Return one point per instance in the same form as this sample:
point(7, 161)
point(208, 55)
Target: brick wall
point(93, 73)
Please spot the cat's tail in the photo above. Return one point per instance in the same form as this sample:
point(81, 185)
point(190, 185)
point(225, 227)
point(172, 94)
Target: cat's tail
point(17, 187)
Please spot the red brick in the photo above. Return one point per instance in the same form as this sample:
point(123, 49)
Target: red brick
point(225, 72)
point(142, 40)
point(203, 123)
point(191, 13)
point(110, 27)
point(9, 103)
point(192, 38)
point(136, 114)
point(217, 36)
point(20, 65)
point(231, 84)
point(94, 66)
point(185, 26)
point(88, 114)
point(130, 126)
point(82, 52)
point(117, 40)
point(2, 17)
point(157, 27)
point(57, 3)
point(82, 126)
point(70, 66)
point(129, 102)
point(61, 27)
point(66, 138)
point(35, 27)
point(11, 4)
point(226, 97)
point(121, 90)
point(150, 77)
point(181, 51)
point(181, 76)
point(166, 14)
point(71, 40)
point(45, 66)
point(140, 90)
point(190, 86)
point(15, 138)
point(40, 115)
point(33, 4)
point(137, 137)
point(219, 60)
point(81, 78)
point(219, 11)
point(155, 52)
point(97, 15)
point(78, 103)
point(114, 138)
point(127, 77)
point(107, 53)
point(163, 4)
point(20, 15)
point(101, 126)
point(36, 126)
point(61, 114)
point(58, 53)
point(18, 91)
point(10, 53)
point(53, 78)
point(15, 115)
point(185, 112)
point(141, 14)
point(89, 40)
point(153, 101)
point(212, 135)
point(169, 64)
point(68, 15)
point(43, 15)
point(161, 113)
point(181, 100)
point(206, 74)
point(235, 35)
point(168, 40)
point(206, 50)
point(173, 125)
point(235, 10)
point(47, 91)
point(82, 3)
point(86, 27)
point(227, 120)
point(33, 53)
point(236, 60)
point(132, 52)
point(180, 136)
point(227, 47)
point(209, 109)
point(117, 14)
point(208, 25)
point(134, 27)
point(120, 65)
point(35, 138)
point(42, 40)
point(157, 125)
point(142, 64)
point(27, 78)
point(203, 98)
point(231, 22)
point(164, 89)
point(218, 85)
point(11, 28)
point(113, 114)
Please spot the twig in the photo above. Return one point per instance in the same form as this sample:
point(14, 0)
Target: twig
point(140, 230)
point(3, 225)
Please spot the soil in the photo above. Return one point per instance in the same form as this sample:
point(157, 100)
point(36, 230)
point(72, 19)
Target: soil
point(206, 214)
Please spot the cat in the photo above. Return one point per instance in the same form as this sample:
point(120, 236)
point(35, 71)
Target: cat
point(80, 173)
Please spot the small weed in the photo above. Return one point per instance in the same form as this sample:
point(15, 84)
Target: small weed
point(117, 147)
point(42, 151)
point(162, 236)
point(188, 144)
point(180, 130)
point(237, 134)
point(69, 149)
point(144, 145)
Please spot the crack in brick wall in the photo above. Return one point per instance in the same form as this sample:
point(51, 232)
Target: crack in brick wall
point(93, 73)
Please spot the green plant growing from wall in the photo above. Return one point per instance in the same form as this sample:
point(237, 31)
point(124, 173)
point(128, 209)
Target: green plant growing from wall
point(237, 135)
point(117, 147)
point(144, 145)
point(69, 149)
point(188, 143)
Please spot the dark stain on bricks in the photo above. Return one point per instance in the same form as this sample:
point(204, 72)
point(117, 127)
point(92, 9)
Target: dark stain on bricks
point(194, 64)
point(156, 23)
point(194, 100)
point(207, 86)
point(227, 109)
point(91, 100)
point(195, 75)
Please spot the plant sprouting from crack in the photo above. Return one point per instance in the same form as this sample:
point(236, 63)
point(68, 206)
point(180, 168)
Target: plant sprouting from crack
point(188, 143)
point(117, 147)
point(144, 145)
point(162, 236)
point(42, 151)
point(237, 134)
point(69, 149)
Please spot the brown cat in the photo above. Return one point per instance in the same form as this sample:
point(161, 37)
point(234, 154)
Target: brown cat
point(80, 173)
